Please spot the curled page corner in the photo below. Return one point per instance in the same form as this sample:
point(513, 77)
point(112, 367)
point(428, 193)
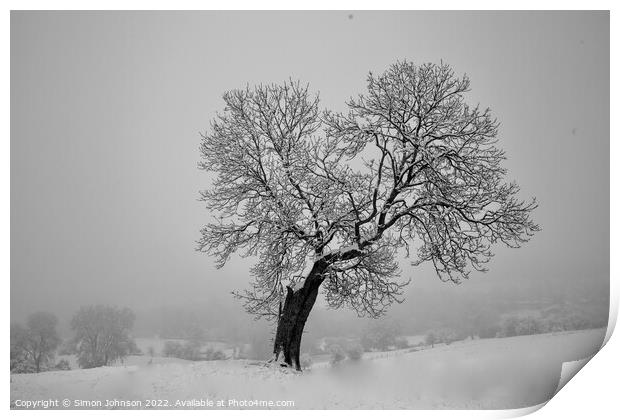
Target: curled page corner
point(613, 317)
point(520, 412)
point(570, 369)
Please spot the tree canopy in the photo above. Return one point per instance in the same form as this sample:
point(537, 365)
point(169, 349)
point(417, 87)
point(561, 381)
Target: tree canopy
point(409, 169)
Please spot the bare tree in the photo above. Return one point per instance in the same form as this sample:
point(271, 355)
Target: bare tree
point(37, 343)
point(102, 334)
point(332, 198)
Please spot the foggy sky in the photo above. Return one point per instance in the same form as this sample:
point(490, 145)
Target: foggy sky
point(106, 110)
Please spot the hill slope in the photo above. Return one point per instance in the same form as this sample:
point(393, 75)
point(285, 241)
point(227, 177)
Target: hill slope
point(495, 373)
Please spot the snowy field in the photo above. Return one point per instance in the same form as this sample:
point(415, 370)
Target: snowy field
point(499, 373)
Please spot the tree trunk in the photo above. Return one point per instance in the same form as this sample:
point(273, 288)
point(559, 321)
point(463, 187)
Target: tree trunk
point(293, 317)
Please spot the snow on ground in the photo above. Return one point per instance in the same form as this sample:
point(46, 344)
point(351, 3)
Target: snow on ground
point(494, 373)
point(137, 361)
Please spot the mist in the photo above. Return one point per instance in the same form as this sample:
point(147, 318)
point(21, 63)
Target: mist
point(106, 111)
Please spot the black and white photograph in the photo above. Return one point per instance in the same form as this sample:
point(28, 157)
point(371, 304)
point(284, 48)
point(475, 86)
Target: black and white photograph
point(306, 209)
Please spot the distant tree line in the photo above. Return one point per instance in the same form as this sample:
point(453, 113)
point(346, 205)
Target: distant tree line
point(383, 336)
point(554, 319)
point(191, 350)
point(445, 336)
point(526, 325)
point(101, 336)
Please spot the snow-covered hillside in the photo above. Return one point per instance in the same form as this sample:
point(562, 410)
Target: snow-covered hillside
point(495, 373)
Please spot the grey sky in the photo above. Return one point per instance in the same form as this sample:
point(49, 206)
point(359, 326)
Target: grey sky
point(106, 109)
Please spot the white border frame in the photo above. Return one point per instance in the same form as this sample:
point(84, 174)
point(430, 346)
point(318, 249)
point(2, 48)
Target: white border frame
point(593, 394)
